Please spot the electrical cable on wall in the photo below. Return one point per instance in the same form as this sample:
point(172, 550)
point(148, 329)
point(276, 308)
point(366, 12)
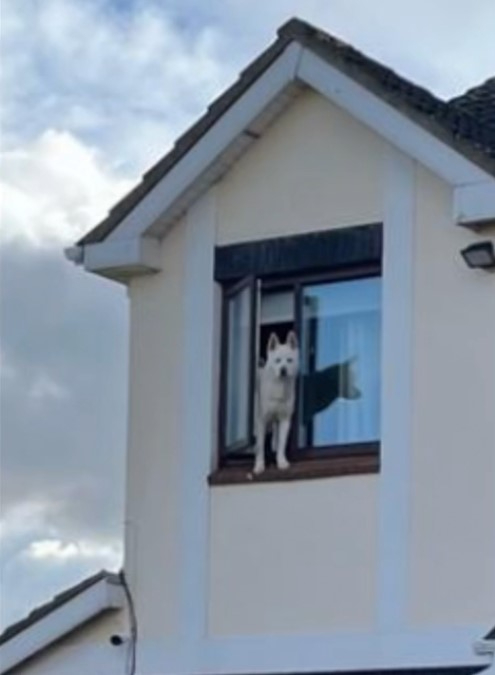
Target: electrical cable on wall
point(131, 654)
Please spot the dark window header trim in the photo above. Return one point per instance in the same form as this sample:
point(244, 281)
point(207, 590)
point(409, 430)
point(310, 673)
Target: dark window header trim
point(337, 248)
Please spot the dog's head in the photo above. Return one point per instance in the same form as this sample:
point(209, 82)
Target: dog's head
point(283, 357)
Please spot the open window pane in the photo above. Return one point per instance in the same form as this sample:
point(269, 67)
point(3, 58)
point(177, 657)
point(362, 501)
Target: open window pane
point(340, 361)
point(239, 389)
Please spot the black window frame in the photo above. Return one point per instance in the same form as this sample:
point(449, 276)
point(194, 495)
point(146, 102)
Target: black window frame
point(339, 254)
point(243, 456)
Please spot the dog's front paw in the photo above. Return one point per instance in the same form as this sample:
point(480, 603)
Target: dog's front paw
point(259, 467)
point(282, 463)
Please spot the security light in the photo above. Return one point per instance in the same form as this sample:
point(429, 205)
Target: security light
point(480, 256)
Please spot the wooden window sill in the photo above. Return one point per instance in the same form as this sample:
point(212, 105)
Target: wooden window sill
point(302, 470)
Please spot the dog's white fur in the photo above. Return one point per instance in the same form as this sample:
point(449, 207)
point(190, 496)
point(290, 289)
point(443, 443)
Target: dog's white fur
point(276, 397)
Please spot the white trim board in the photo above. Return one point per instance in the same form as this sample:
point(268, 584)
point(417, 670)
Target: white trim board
point(124, 257)
point(351, 652)
point(102, 596)
point(199, 378)
point(361, 651)
point(396, 390)
point(474, 203)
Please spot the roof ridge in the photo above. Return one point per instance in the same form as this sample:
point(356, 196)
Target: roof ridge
point(298, 29)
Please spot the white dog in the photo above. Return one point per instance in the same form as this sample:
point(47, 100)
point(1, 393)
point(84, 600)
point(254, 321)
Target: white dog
point(276, 397)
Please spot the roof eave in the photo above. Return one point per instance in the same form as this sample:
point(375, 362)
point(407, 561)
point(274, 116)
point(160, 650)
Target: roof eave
point(103, 595)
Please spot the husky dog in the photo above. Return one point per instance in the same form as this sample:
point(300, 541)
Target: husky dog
point(276, 397)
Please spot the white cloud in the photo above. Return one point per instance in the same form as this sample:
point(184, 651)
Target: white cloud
point(107, 555)
point(55, 189)
point(126, 80)
point(52, 548)
point(41, 554)
point(24, 520)
point(45, 387)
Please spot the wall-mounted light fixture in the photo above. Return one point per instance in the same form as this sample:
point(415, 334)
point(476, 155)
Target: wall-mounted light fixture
point(480, 256)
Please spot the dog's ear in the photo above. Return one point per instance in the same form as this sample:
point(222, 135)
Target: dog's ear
point(273, 342)
point(292, 340)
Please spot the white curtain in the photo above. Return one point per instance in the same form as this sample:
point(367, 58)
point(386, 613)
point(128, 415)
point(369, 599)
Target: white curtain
point(347, 318)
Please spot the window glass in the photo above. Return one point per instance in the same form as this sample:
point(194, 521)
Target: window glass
point(237, 423)
point(340, 363)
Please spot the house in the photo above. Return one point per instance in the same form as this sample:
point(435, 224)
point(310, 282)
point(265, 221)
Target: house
point(321, 192)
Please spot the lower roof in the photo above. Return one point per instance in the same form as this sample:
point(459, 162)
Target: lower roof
point(57, 601)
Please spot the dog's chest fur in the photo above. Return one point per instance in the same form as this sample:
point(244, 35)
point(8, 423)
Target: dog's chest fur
point(276, 397)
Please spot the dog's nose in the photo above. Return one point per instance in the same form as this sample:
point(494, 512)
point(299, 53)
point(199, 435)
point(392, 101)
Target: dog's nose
point(283, 371)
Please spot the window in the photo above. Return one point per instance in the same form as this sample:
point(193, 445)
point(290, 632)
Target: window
point(239, 368)
point(340, 363)
point(337, 322)
point(336, 315)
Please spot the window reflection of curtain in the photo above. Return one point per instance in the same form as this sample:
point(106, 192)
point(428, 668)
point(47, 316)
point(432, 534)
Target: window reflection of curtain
point(341, 388)
point(354, 410)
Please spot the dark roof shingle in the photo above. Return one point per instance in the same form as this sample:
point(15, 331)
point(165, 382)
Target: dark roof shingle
point(479, 102)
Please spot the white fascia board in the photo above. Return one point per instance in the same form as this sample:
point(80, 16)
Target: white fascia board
point(433, 648)
point(119, 258)
point(104, 595)
point(475, 203)
point(387, 121)
point(215, 141)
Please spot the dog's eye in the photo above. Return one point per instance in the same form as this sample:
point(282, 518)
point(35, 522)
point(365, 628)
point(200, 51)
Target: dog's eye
point(278, 360)
point(289, 360)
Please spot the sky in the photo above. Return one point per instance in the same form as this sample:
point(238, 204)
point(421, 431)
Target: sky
point(92, 93)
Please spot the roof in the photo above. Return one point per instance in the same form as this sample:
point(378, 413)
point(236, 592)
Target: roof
point(464, 123)
point(57, 601)
point(479, 102)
